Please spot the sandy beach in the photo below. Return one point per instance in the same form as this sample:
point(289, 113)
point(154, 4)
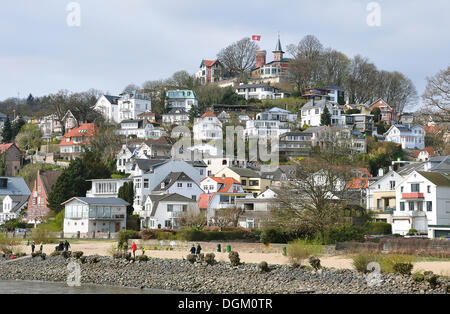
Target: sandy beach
point(248, 252)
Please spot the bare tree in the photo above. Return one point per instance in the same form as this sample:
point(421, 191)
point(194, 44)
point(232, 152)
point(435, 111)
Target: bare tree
point(227, 217)
point(437, 96)
point(239, 57)
point(192, 220)
point(335, 67)
point(318, 200)
point(130, 87)
point(360, 80)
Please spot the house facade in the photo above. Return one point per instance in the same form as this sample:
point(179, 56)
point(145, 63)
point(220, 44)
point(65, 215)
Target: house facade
point(176, 116)
point(13, 158)
point(90, 216)
point(131, 104)
point(38, 202)
point(12, 206)
point(388, 114)
point(71, 145)
point(423, 203)
point(207, 128)
point(180, 99)
point(108, 106)
point(295, 144)
point(311, 113)
point(251, 181)
point(211, 71)
point(259, 91)
point(409, 136)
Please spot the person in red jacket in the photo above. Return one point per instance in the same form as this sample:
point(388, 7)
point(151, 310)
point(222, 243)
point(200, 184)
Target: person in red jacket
point(134, 248)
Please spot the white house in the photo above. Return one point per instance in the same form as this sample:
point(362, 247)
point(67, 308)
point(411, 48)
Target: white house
point(423, 203)
point(90, 216)
point(216, 163)
point(140, 129)
point(12, 205)
point(106, 187)
point(220, 193)
point(124, 156)
point(271, 123)
point(179, 183)
point(162, 211)
point(259, 91)
point(256, 209)
point(409, 136)
point(312, 111)
point(207, 128)
point(277, 114)
point(108, 106)
point(181, 99)
point(176, 116)
point(132, 104)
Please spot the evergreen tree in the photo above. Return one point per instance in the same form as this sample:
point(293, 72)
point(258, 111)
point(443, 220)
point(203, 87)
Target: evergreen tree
point(7, 131)
point(325, 117)
point(193, 113)
point(376, 114)
point(72, 182)
point(126, 192)
point(17, 125)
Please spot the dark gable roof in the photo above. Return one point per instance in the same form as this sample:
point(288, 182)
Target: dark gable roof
point(174, 197)
point(197, 163)
point(49, 178)
point(244, 172)
point(171, 179)
point(436, 177)
point(443, 166)
point(112, 99)
point(112, 201)
point(20, 199)
point(147, 164)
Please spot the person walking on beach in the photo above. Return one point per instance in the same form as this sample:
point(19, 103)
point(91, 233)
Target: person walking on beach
point(66, 245)
point(199, 249)
point(193, 249)
point(33, 246)
point(41, 247)
point(134, 248)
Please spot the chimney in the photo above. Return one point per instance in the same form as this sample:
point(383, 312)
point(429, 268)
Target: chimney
point(260, 58)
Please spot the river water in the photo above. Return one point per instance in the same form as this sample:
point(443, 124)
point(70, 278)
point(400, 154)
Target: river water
point(41, 287)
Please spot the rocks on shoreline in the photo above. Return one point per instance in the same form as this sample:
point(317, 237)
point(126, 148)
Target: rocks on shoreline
point(183, 276)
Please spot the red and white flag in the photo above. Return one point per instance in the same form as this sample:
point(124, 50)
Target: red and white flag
point(256, 37)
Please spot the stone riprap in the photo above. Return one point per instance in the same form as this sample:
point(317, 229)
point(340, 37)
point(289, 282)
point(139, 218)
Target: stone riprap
point(183, 276)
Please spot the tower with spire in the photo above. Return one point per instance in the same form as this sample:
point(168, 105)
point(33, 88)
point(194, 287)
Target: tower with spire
point(278, 52)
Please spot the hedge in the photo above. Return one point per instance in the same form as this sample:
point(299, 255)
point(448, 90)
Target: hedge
point(125, 235)
point(195, 235)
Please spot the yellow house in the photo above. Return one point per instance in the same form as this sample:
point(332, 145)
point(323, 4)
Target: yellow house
point(251, 181)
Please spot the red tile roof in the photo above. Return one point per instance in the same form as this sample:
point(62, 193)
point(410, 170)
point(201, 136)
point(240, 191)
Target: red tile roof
point(208, 114)
point(205, 198)
point(431, 129)
point(88, 130)
point(227, 182)
point(5, 147)
point(209, 63)
point(430, 151)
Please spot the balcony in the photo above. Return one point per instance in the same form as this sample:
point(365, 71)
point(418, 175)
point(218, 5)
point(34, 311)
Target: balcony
point(412, 196)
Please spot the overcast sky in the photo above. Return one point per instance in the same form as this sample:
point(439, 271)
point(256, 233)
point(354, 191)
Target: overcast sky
point(121, 42)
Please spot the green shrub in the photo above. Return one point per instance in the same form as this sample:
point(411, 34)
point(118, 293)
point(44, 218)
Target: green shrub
point(403, 268)
point(125, 235)
point(43, 234)
point(362, 259)
point(301, 249)
point(263, 267)
point(210, 258)
point(388, 262)
point(66, 254)
point(54, 253)
point(271, 235)
point(418, 277)
point(234, 258)
point(412, 231)
point(201, 256)
point(43, 256)
point(345, 234)
point(379, 228)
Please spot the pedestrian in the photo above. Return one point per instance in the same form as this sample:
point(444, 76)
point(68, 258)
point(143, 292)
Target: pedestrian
point(41, 247)
point(133, 249)
point(193, 249)
point(33, 246)
point(199, 249)
point(66, 245)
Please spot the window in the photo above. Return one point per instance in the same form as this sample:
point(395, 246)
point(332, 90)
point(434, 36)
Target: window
point(169, 208)
point(189, 185)
point(415, 187)
point(420, 206)
point(180, 185)
point(411, 206)
point(429, 206)
point(402, 206)
point(145, 183)
point(379, 202)
point(401, 189)
point(392, 184)
point(244, 182)
point(254, 182)
point(194, 197)
point(429, 189)
point(224, 199)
